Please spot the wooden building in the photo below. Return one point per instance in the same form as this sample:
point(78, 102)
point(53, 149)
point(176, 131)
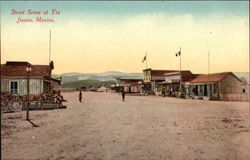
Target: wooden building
point(217, 86)
point(14, 78)
point(130, 85)
point(152, 82)
point(173, 80)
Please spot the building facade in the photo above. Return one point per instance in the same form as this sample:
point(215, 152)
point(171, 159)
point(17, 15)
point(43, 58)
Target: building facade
point(14, 78)
point(152, 80)
point(129, 85)
point(174, 83)
point(219, 86)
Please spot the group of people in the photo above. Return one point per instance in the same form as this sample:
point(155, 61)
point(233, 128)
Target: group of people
point(122, 92)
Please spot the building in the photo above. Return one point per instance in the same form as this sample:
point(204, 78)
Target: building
point(14, 78)
point(129, 84)
point(152, 82)
point(219, 86)
point(171, 85)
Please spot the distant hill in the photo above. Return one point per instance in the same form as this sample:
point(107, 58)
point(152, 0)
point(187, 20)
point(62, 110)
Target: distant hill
point(106, 76)
point(244, 75)
point(85, 83)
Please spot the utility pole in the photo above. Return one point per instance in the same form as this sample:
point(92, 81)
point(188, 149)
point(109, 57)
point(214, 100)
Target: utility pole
point(209, 84)
point(179, 54)
point(49, 46)
point(180, 72)
point(28, 69)
point(49, 55)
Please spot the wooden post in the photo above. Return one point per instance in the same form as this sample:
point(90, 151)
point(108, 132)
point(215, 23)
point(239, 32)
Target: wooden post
point(28, 69)
point(28, 92)
point(180, 73)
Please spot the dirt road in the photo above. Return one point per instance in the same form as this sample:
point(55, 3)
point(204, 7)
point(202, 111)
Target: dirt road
point(141, 128)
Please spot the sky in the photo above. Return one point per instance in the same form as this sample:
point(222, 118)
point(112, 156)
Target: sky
point(99, 36)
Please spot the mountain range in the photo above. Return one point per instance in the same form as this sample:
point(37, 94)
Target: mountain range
point(244, 75)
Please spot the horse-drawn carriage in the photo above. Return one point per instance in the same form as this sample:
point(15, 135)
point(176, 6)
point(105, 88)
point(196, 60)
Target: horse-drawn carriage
point(14, 103)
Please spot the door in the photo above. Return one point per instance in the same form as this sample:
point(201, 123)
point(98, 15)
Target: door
point(205, 90)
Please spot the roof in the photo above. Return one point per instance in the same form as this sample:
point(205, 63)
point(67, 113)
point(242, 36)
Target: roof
point(201, 78)
point(185, 75)
point(53, 81)
point(17, 63)
point(156, 72)
point(161, 72)
point(19, 69)
point(172, 73)
point(130, 78)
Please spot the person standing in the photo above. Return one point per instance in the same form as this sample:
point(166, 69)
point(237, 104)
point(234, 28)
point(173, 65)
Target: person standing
point(123, 95)
point(80, 96)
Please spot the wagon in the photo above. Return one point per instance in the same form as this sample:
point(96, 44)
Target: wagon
point(15, 103)
point(54, 97)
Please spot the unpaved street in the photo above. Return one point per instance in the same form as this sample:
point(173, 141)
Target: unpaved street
point(141, 128)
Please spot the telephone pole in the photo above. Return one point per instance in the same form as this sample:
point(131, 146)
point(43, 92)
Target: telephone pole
point(49, 46)
point(180, 72)
point(209, 84)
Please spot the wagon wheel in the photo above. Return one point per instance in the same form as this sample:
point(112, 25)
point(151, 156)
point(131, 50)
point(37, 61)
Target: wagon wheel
point(42, 99)
point(16, 104)
point(51, 99)
point(4, 104)
point(23, 98)
point(59, 99)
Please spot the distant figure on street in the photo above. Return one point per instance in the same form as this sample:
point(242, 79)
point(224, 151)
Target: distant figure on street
point(123, 95)
point(80, 96)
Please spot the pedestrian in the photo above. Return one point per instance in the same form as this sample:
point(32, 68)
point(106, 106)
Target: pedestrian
point(123, 95)
point(80, 96)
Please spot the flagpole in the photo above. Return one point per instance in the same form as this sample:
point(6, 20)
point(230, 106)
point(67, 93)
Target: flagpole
point(209, 74)
point(209, 85)
point(180, 70)
point(49, 45)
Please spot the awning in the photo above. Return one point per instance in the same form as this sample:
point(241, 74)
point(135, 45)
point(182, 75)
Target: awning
point(55, 82)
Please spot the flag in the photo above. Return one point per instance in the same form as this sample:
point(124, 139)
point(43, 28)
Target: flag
point(144, 59)
point(178, 53)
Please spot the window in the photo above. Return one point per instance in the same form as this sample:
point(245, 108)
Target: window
point(14, 87)
point(243, 89)
point(201, 89)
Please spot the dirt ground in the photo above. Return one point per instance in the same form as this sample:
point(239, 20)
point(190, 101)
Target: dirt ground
point(141, 128)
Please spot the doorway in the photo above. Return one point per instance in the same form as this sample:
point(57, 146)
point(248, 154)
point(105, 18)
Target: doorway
point(205, 90)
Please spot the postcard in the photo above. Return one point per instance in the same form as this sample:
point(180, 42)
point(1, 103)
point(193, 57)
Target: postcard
point(125, 80)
